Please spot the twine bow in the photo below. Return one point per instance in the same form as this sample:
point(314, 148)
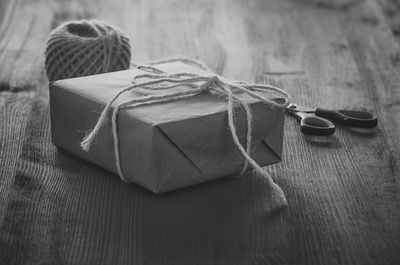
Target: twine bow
point(197, 85)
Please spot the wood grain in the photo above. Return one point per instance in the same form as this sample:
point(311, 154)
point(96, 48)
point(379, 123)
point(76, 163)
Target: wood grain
point(343, 191)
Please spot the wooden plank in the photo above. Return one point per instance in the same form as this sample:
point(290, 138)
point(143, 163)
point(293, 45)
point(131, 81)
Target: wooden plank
point(25, 29)
point(14, 109)
point(21, 51)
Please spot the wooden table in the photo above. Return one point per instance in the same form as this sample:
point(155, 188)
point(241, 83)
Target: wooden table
point(342, 191)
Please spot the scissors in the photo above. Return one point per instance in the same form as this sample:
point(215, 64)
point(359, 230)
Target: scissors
point(321, 124)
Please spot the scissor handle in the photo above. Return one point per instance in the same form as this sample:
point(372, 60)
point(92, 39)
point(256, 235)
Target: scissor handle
point(313, 125)
point(316, 126)
point(352, 118)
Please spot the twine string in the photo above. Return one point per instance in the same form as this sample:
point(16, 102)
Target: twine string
point(86, 47)
point(196, 84)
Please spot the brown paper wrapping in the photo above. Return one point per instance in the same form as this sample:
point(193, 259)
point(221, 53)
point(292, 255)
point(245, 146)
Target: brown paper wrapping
point(164, 146)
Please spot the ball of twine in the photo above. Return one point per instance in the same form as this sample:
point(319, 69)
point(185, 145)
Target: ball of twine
point(86, 47)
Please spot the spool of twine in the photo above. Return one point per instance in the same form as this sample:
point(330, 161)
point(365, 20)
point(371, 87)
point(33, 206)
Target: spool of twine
point(86, 47)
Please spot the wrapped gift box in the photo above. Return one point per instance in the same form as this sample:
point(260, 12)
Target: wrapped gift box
point(162, 146)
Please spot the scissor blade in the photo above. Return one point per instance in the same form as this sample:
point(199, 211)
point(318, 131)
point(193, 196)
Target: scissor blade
point(296, 108)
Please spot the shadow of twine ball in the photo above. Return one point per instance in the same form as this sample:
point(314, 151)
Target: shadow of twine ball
point(86, 47)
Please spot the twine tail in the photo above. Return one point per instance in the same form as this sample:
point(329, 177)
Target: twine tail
point(88, 140)
point(236, 139)
point(249, 118)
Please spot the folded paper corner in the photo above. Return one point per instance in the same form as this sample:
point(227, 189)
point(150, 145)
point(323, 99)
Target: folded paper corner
point(167, 135)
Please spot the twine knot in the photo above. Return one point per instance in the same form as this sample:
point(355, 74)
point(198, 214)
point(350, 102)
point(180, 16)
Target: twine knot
point(157, 79)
